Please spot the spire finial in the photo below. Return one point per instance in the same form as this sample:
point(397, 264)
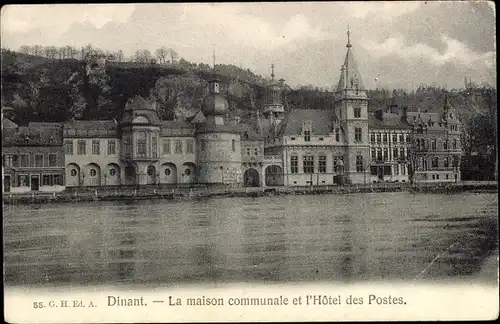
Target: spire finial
point(214, 57)
point(348, 37)
point(272, 71)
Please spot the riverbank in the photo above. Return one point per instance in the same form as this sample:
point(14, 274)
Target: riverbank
point(148, 193)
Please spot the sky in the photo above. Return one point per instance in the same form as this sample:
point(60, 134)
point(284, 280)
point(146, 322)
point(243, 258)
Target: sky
point(395, 44)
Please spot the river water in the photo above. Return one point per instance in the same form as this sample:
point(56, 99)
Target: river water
point(330, 238)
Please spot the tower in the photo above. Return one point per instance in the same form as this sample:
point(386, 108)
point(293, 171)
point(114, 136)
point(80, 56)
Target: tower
point(351, 107)
point(219, 153)
point(274, 109)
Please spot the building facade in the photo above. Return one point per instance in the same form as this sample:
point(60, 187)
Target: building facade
point(283, 147)
point(32, 157)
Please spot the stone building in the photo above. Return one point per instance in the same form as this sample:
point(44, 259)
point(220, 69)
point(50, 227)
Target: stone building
point(436, 149)
point(32, 157)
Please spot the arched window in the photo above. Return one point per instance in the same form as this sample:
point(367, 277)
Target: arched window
point(167, 172)
point(73, 173)
point(112, 172)
point(93, 173)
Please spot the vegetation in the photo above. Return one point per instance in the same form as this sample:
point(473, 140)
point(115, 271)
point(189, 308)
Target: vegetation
point(56, 84)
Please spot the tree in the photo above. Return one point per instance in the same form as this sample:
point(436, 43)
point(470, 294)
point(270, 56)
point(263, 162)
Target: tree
point(173, 55)
point(161, 54)
point(25, 49)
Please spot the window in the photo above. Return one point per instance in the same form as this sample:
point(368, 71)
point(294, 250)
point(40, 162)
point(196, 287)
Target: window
point(322, 164)
point(395, 153)
point(379, 138)
point(308, 164)
point(402, 154)
point(167, 172)
point(403, 169)
point(337, 134)
point(373, 170)
point(454, 144)
point(248, 151)
point(307, 136)
point(68, 147)
point(445, 144)
point(189, 146)
point(435, 163)
point(111, 147)
point(396, 169)
point(379, 154)
point(112, 172)
point(23, 181)
point(359, 163)
point(52, 160)
point(372, 138)
point(424, 162)
point(446, 162)
point(25, 160)
point(178, 147)
point(385, 138)
point(39, 160)
point(357, 134)
point(437, 176)
point(93, 172)
point(57, 179)
point(357, 112)
point(166, 147)
point(73, 173)
point(15, 161)
point(407, 140)
point(233, 145)
point(401, 138)
point(386, 154)
point(337, 163)
point(292, 138)
point(433, 144)
point(203, 145)
point(82, 149)
point(141, 143)
point(256, 151)
point(187, 172)
point(394, 138)
point(294, 164)
point(96, 148)
point(154, 146)
point(47, 180)
point(127, 146)
point(374, 154)
point(52, 140)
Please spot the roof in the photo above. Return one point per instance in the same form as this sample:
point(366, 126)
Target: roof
point(321, 121)
point(384, 120)
point(173, 124)
point(431, 120)
point(251, 133)
point(33, 135)
point(91, 124)
point(350, 75)
point(7, 123)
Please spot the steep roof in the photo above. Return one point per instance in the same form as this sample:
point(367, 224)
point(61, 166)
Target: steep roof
point(321, 121)
point(430, 120)
point(350, 78)
point(248, 133)
point(91, 124)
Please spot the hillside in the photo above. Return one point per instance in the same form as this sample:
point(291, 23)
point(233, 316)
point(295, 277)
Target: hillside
point(43, 89)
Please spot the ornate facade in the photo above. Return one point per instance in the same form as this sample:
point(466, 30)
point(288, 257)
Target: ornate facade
point(297, 147)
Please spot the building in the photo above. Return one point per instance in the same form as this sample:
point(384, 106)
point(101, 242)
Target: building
point(32, 157)
point(282, 147)
point(390, 144)
point(436, 149)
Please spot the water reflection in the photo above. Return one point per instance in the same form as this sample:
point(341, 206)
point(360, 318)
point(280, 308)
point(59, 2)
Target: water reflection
point(304, 238)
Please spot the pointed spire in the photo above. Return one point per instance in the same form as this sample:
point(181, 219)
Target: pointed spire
point(349, 75)
point(348, 45)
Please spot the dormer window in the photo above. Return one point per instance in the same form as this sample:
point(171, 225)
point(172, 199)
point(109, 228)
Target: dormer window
point(51, 140)
point(307, 136)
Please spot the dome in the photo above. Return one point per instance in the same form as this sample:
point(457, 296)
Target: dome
point(214, 104)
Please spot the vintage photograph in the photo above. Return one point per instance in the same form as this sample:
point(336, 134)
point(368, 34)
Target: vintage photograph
point(153, 146)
